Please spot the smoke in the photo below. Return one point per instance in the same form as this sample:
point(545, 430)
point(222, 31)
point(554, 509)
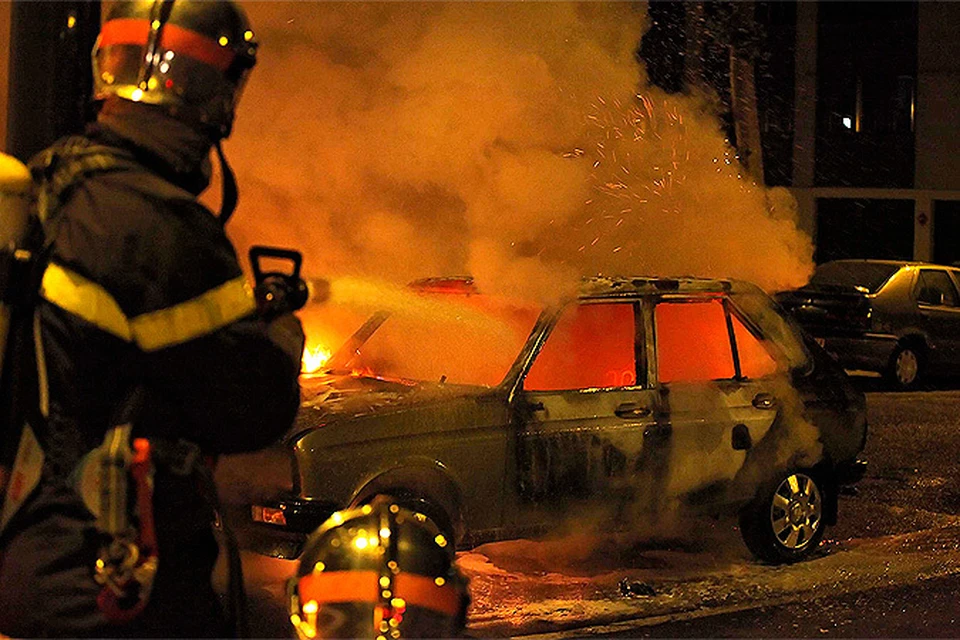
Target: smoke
point(506, 140)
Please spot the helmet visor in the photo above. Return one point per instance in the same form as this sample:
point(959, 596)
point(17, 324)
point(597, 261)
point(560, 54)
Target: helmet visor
point(188, 72)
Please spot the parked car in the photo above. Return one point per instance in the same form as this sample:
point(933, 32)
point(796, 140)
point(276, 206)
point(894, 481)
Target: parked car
point(901, 319)
point(637, 396)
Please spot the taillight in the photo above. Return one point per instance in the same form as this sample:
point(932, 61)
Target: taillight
point(268, 515)
point(867, 315)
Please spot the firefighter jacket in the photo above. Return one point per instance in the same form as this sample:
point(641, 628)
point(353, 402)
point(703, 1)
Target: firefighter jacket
point(142, 290)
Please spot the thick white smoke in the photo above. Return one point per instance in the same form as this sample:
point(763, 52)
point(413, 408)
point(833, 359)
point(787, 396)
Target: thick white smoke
point(402, 140)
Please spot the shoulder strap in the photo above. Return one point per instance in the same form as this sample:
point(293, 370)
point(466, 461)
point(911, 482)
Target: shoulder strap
point(58, 170)
point(55, 173)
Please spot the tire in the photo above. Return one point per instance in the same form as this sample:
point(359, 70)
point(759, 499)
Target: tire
point(906, 365)
point(784, 523)
point(418, 504)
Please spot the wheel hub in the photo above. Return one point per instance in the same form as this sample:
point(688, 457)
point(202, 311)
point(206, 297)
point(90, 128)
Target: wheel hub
point(907, 366)
point(795, 513)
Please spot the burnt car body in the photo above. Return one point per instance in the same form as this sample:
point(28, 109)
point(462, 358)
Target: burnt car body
point(901, 319)
point(635, 397)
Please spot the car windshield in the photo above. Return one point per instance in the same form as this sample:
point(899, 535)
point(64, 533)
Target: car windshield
point(467, 339)
point(867, 275)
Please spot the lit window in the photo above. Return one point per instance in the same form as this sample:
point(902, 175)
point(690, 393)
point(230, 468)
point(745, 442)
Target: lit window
point(755, 360)
point(693, 342)
point(592, 346)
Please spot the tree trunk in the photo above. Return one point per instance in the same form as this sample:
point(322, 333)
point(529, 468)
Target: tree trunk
point(743, 99)
point(693, 52)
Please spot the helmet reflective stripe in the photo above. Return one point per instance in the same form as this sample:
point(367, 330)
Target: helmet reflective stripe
point(362, 586)
point(377, 570)
point(131, 31)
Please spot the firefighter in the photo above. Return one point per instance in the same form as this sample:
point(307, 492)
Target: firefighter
point(146, 352)
point(378, 571)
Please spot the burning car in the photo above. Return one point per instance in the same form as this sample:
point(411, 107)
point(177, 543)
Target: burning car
point(901, 319)
point(634, 397)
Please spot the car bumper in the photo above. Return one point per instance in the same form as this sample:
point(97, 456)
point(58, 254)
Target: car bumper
point(869, 351)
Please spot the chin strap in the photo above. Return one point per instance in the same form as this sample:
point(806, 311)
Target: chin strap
point(230, 193)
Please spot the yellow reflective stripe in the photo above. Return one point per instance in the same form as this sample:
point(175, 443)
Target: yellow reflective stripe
point(74, 293)
point(199, 316)
point(196, 317)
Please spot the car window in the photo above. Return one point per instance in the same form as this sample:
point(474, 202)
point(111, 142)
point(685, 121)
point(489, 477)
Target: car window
point(755, 359)
point(868, 275)
point(782, 336)
point(693, 341)
point(453, 339)
point(935, 287)
point(591, 346)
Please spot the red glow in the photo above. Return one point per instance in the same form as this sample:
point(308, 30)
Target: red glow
point(693, 342)
point(591, 346)
point(470, 339)
point(268, 515)
point(755, 360)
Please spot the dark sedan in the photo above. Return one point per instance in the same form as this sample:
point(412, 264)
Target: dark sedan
point(901, 319)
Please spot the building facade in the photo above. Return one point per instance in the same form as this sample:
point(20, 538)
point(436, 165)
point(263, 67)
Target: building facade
point(876, 148)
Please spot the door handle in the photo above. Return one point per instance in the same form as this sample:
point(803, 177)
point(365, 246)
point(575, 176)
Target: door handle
point(764, 401)
point(630, 410)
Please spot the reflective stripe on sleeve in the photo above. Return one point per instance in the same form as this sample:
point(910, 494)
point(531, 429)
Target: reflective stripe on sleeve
point(211, 310)
point(72, 292)
point(199, 316)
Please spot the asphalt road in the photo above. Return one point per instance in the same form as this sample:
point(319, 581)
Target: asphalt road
point(923, 609)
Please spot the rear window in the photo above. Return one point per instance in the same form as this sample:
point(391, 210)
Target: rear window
point(869, 275)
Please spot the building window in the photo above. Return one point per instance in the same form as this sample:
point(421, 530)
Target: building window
point(864, 228)
point(946, 232)
point(866, 78)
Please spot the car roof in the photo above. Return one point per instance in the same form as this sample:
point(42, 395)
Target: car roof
point(607, 286)
point(899, 263)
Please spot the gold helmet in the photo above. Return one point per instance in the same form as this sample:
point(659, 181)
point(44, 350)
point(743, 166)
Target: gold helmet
point(379, 571)
point(190, 57)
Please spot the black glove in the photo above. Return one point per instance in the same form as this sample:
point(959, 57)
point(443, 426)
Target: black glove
point(286, 331)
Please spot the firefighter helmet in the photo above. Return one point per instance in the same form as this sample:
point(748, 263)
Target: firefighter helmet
point(378, 571)
point(190, 57)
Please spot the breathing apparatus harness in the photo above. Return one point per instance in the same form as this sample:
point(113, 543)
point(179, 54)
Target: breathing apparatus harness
point(128, 560)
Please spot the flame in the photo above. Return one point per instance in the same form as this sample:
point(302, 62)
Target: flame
point(314, 358)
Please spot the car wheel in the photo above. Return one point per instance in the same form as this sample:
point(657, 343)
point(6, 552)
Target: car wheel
point(785, 521)
point(418, 504)
point(904, 368)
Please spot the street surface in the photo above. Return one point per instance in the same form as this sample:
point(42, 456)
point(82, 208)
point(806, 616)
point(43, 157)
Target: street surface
point(889, 568)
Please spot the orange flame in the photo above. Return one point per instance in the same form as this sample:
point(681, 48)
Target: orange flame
point(314, 358)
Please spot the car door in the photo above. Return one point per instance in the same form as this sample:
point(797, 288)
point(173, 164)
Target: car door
point(581, 413)
point(938, 304)
point(718, 397)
